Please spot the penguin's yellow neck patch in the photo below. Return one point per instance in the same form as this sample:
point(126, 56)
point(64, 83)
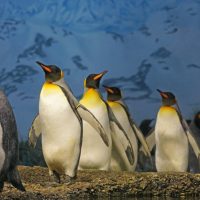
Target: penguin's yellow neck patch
point(167, 110)
point(91, 98)
point(49, 88)
point(113, 104)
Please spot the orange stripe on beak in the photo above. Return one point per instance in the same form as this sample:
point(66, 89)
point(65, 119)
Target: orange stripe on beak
point(47, 69)
point(108, 89)
point(163, 94)
point(98, 76)
point(44, 67)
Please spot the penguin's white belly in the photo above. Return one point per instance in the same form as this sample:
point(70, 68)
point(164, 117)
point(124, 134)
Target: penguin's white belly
point(122, 160)
point(2, 153)
point(61, 132)
point(94, 153)
point(171, 144)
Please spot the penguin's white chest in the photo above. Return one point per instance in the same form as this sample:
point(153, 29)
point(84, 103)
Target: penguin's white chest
point(94, 153)
point(61, 129)
point(171, 142)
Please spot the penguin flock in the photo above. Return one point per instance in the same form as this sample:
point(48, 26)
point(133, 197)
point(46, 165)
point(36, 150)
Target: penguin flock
point(94, 133)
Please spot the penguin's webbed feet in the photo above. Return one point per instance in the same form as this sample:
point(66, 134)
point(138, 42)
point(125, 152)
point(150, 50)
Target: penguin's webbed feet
point(55, 177)
point(66, 179)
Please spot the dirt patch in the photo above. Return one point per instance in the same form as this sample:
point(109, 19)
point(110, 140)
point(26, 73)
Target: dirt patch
point(103, 184)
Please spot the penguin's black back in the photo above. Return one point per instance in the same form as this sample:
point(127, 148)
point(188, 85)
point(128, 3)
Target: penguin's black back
point(9, 143)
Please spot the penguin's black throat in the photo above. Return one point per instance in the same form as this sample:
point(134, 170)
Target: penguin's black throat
point(168, 98)
point(52, 72)
point(113, 93)
point(168, 102)
point(53, 76)
point(113, 97)
point(91, 83)
point(93, 80)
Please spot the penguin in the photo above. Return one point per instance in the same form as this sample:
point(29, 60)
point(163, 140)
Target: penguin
point(94, 153)
point(195, 128)
point(60, 124)
point(145, 126)
point(171, 136)
point(120, 161)
point(144, 163)
point(8, 145)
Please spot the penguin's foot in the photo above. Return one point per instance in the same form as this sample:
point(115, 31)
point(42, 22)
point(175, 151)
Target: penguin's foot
point(50, 184)
point(66, 179)
point(1, 185)
point(55, 177)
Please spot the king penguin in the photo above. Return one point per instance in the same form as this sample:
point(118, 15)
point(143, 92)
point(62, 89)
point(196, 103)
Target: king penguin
point(60, 122)
point(95, 154)
point(172, 135)
point(120, 159)
point(8, 145)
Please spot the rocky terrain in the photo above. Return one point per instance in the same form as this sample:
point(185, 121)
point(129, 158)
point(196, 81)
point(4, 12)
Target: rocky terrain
point(143, 44)
point(105, 185)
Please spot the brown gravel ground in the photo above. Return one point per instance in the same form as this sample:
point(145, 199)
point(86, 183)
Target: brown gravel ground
point(105, 185)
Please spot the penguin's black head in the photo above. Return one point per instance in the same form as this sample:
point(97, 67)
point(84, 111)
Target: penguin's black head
point(168, 99)
point(113, 93)
point(52, 72)
point(197, 120)
point(93, 80)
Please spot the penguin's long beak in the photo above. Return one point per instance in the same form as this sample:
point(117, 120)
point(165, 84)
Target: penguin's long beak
point(98, 76)
point(162, 94)
point(44, 67)
point(109, 90)
point(159, 90)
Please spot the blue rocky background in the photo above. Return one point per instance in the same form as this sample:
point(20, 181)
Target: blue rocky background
point(143, 44)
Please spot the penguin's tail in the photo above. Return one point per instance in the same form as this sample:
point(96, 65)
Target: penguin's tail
point(14, 178)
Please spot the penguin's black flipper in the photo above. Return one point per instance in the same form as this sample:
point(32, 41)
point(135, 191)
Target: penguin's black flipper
point(193, 142)
point(14, 178)
point(150, 140)
point(34, 131)
point(93, 121)
point(125, 143)
point(142, 139)
point(190, 136)
point(83, 112)
point(137, 131)
point(129, 155)
point(121, 145)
